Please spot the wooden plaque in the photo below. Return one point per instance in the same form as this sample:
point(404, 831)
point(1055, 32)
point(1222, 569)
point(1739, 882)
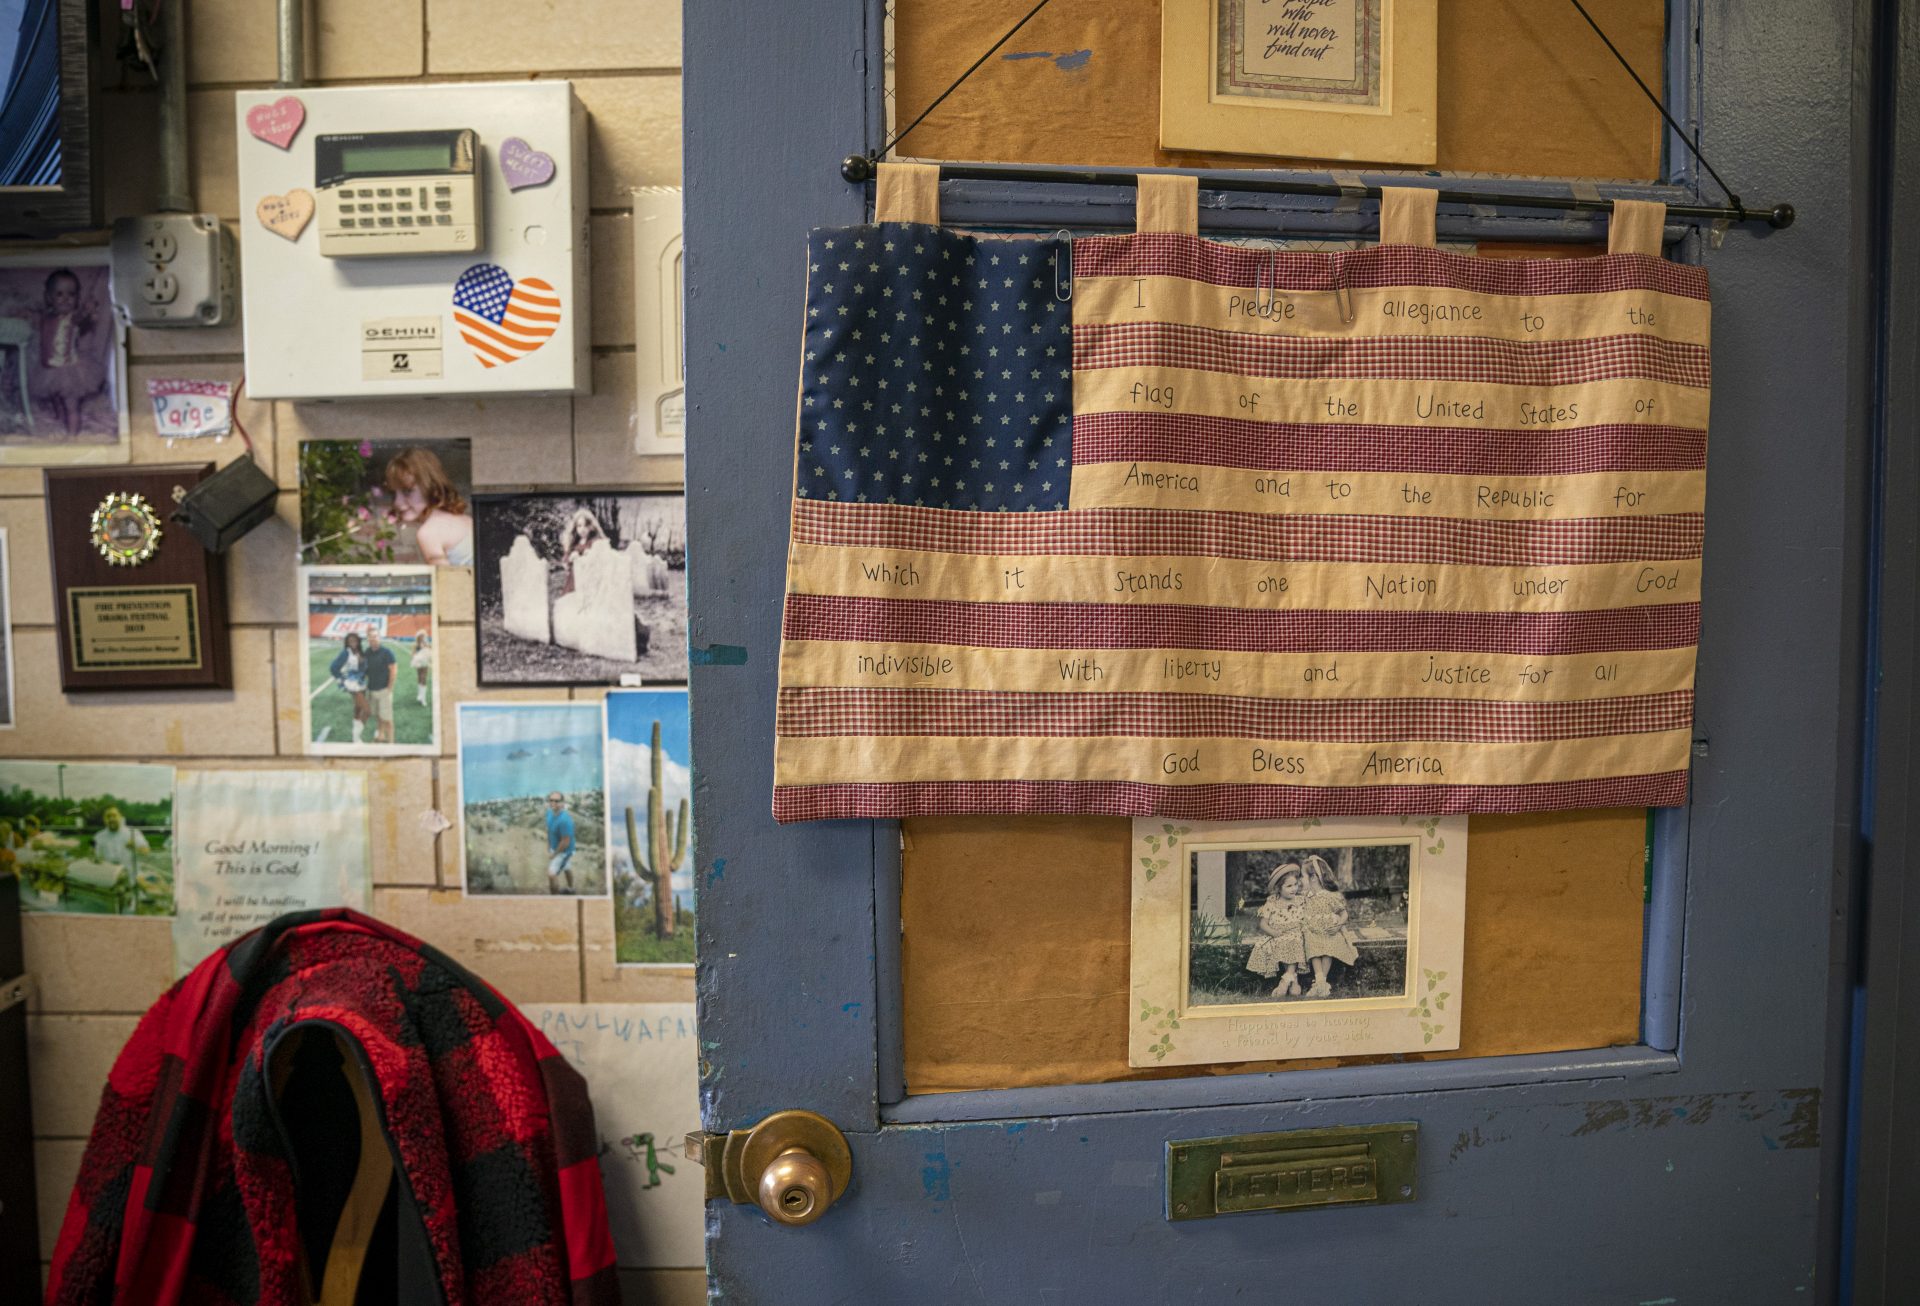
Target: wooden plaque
point(134, 621)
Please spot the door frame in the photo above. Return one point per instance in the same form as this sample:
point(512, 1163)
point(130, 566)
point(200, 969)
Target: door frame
point(1884, 1147)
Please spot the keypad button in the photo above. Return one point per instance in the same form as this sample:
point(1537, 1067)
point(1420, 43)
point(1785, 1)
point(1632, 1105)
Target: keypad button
point(444, 205)
point(386, 208)
point(384, 191)
point(349, 222)
point(445, 219)
point(443, 190)
point(386, 222)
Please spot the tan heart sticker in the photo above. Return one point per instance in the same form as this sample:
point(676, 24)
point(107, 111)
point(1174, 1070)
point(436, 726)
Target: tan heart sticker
point(286, 215)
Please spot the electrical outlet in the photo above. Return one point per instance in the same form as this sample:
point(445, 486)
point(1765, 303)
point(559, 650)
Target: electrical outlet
point(174, 270)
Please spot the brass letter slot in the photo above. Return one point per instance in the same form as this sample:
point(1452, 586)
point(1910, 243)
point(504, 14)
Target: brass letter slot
point(1366, 1165)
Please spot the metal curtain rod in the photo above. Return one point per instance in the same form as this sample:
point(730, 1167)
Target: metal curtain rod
point(858, 168)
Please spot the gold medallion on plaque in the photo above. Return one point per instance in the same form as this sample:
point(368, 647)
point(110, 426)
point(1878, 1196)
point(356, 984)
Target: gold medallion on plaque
point(125, 529)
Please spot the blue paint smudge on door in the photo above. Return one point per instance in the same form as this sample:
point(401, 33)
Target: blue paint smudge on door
point(936, 1177)
point(1070, 62)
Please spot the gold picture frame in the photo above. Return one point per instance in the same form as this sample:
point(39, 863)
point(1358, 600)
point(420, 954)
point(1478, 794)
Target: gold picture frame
point(1344, 80)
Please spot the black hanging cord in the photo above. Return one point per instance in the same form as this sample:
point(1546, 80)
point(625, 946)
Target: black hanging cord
point(1654, 100)
point(859, 168)
point(902, 134)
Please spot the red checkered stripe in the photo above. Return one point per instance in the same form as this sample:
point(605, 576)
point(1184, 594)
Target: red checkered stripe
point(961, 713)
point(1100, 345)
point(1134, 532)
point(1171, 254)
point(1157, 626)
point(1285, 446)
point(1213, 802)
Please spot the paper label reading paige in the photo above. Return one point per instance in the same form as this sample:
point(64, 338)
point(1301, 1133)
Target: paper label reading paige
point(188, 410)
point(399, 348)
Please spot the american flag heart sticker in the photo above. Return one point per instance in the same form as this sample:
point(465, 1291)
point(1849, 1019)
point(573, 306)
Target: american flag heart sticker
point(502, 319)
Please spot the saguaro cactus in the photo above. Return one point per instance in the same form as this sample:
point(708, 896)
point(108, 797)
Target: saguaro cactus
point(666, 845)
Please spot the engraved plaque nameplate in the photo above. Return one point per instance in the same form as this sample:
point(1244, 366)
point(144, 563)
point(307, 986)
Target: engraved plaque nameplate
point(140, 604)
point(1307, 1168)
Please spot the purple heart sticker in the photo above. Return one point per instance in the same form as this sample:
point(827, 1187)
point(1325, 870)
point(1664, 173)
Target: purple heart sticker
point(524, 166)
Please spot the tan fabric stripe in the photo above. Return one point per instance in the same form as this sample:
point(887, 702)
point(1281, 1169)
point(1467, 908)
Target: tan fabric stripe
point(1470, 404)
point(1637, 227)
point(849, 759)
point(1234, 582)
point(1492, 677)
point(1425, 311)
point(1388, 494)
point(1408, 215)
point(1168, 203)
point(907, 192)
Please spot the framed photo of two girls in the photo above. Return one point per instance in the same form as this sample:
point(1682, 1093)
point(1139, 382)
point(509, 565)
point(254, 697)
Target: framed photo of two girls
point(1270, 941)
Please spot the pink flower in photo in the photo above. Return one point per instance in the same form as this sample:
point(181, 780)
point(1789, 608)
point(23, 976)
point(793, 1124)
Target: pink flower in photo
point(364, 514)
point(366, 448)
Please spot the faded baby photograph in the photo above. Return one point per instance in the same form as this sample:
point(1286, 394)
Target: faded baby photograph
point(532, 806)
point(1301, 924)
point(59, 375)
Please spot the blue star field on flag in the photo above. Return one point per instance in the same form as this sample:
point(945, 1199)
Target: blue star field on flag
point(938, 370)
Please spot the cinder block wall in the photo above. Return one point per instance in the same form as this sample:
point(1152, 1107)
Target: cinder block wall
point(96, 976)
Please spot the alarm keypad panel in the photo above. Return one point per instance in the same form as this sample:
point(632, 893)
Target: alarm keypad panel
point(406, 192)
point(413, 204)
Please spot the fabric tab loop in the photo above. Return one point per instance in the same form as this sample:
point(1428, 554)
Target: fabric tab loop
point(1637, 227)
point(907, 192)
point(1408, 215)
point(1168, 202)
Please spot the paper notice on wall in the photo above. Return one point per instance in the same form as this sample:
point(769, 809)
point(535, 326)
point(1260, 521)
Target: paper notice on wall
point(641, 1063)
point(254, 845)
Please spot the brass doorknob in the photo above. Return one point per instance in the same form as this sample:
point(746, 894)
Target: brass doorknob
point(795, 1188)
point(793, 1165)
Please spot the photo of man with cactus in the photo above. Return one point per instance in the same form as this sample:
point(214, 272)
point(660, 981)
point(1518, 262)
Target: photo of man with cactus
point(650, 826)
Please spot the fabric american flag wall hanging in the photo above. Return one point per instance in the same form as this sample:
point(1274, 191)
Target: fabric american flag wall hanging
point(1162, 526)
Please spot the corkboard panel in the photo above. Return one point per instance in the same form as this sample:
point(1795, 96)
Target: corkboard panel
point(1015, 943)
point(1525, 87)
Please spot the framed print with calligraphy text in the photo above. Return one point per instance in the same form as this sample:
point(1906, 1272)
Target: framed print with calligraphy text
point(1272, 940)
point(1351, 80)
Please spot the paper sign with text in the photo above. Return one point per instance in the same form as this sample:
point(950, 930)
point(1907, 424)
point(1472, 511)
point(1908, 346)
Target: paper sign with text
point(189, 410)
point(641, 1063)
point(254, 845)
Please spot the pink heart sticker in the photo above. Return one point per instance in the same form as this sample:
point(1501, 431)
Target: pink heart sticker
point(524, 166)
point(277, 123)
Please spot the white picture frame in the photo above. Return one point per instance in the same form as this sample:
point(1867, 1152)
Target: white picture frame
point(1201, 962)
point(401, 597)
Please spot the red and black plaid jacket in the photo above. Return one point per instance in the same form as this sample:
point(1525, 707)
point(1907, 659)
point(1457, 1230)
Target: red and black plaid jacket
point(187, 1192)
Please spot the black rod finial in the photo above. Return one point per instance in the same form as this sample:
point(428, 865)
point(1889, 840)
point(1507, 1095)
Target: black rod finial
point(1781, 216)
point(858, 168)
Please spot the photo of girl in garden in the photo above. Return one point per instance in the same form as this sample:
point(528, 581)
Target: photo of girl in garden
point(1299, 924)
point(372, 501)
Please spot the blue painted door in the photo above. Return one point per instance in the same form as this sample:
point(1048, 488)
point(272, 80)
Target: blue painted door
point(1700, 1166)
